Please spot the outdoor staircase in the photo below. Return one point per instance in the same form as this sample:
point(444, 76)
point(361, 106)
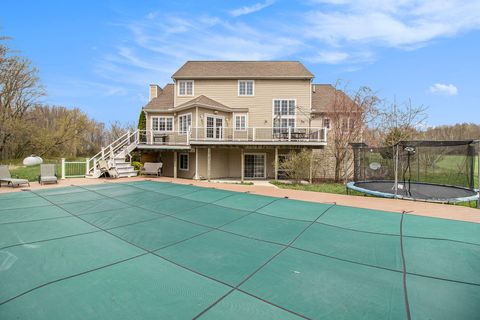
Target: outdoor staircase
point(116, 155)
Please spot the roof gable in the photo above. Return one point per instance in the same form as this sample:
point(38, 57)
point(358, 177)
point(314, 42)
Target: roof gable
point(164, 101)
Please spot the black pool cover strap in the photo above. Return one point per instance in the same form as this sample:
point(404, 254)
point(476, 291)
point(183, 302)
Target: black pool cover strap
point(405, 290)
point(262, 266)
point(302, 248)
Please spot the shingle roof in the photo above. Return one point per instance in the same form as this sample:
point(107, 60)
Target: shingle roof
point(243, 70)
point(205, 102)
point(325, 96)
point(164, 101)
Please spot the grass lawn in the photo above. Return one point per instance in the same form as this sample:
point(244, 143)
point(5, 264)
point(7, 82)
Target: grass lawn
point(328, 187)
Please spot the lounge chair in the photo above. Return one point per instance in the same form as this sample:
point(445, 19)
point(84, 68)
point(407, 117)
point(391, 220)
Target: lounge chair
point(106, 168)
point(154, 168)
point(5, 176)
point(47, 174)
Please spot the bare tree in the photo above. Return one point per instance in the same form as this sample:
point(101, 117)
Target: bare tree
point(349, 114)
point(400, 122)
point(118, 129)
point(20, 90)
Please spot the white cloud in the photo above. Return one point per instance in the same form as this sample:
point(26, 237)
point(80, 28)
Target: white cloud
point(389, 23)
point(348, 33)
point(329, 57)
point(444, 89)
point(251, 9)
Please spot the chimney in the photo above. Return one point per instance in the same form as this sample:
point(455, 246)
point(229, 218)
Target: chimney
point(155, 91)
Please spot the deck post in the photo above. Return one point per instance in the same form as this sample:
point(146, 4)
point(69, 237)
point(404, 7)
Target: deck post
point(276, 163)
point(396, 171)
point(87, 166)
point(175, 164)
point(310, 174)
point(63, 168)
point(196, 164)
point(242, 165)
point(209, 162)
point(95, 169)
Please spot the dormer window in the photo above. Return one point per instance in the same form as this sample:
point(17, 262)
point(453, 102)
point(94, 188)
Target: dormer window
point(185, 87)
point(246, 87)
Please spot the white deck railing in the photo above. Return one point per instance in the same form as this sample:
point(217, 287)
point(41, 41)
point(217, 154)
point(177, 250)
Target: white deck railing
point(227, 134)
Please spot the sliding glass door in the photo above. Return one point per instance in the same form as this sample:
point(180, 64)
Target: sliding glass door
point(255, 166)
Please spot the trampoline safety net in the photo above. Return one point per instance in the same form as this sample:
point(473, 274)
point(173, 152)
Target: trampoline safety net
point(152, 250)
point(428, 167)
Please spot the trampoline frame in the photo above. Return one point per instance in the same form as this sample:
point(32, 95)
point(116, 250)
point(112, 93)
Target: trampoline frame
point(352, 186)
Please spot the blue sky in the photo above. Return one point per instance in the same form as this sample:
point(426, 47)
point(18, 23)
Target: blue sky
point(100, 56)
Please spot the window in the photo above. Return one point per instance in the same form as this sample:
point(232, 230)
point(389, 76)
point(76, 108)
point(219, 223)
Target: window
point(184, 122)
point(162, 123)
point(240, 122)
point(326, 123)
point(348, 124)
point(284, 112)
point(185, 87)
point(183, 161)
point(245, 87)
point(351, 124)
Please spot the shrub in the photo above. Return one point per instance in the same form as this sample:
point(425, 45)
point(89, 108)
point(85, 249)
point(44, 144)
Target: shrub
point(297, 165)
point(137, 165)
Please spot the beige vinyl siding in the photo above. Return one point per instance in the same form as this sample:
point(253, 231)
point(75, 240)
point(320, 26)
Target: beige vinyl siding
point(261, 104)
point(190, 173)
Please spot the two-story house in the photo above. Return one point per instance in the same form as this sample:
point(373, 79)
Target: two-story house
point(231, 119)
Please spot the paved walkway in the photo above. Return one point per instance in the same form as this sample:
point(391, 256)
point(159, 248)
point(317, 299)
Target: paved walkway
point(411, 207)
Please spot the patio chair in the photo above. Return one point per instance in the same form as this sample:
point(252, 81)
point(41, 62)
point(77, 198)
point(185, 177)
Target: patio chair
point(106, 168)
point(5, 176)
point(47, 174)
point(154, 168)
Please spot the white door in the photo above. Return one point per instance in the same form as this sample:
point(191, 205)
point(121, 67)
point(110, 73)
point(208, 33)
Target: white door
point(214, 128)
point(255, 166)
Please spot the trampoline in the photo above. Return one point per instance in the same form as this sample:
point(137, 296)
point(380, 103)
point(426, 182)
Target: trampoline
point(433, 171)
point(152, 250)
point(415, 191)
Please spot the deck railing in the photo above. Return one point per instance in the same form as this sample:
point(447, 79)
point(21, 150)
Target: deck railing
point(228, 134)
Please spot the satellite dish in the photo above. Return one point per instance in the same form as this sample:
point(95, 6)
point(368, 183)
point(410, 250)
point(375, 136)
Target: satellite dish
point(33, 160)
point(375, 165)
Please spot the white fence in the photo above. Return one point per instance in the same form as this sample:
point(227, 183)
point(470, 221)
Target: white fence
point(74, 169)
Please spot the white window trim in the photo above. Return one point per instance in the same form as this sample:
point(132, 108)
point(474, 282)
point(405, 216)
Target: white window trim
point(180, 162)
point(264, 163)
point(246, 95)
point(329, 123)
point(180, 127)
point(173, 124)
point(205, 125)
point(235, 115)
point(186, 95)
point(347, 129)
point(284, 116)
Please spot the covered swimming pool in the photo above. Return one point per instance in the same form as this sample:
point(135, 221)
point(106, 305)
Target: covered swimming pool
point(153, 250)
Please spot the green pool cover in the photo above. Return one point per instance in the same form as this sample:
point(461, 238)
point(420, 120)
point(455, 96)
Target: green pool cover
point(151, 250)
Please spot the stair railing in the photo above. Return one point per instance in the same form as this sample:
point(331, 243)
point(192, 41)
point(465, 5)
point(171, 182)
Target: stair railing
point(109, 152)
